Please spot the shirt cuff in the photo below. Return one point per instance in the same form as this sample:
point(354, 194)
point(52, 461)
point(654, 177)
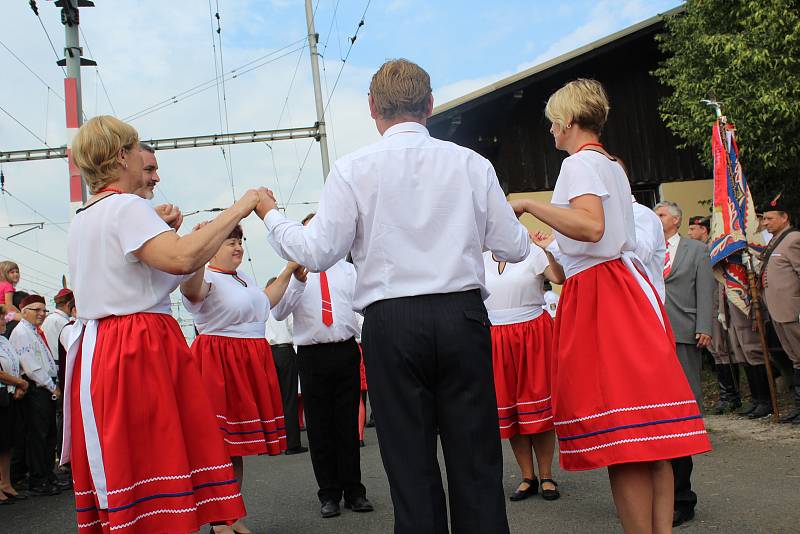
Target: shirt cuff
point(272, 219)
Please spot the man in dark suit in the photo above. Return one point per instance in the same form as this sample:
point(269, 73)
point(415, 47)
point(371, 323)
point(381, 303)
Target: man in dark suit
point(690, 292)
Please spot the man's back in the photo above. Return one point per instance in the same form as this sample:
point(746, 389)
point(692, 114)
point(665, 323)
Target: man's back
point(424, 211)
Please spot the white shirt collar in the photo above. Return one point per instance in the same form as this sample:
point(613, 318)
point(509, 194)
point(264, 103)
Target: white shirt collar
point(673, 241)
point(406, 127)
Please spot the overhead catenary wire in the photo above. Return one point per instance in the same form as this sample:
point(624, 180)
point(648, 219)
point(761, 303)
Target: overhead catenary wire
point(254, 64)
point(97, 72)
point(31, 71)
point(35, 10)
point(5, 191)
point(42, 254)
point(330, 95)
point(4, 110)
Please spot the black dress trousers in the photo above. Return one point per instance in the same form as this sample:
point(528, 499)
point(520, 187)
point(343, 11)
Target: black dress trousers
point(330, 382)
point(286, 368)
point(429, 366)
point(40, 441)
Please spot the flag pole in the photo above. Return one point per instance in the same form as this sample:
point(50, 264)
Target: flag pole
point(749, 265)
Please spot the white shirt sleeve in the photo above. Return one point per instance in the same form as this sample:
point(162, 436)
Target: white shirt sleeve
point(506, 237)
point(645, 239)
point(329, 235)
point(575, 179)
point(137, 223)
point(290, 299)
point(538, 260)
point(30, 364)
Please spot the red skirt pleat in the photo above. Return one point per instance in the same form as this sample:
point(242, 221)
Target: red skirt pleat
point(165, 465)
point(242, 384)
point(620, 394)
point(521, 363)
point(362, 373)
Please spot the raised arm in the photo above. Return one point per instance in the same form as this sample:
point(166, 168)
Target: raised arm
point(583, 220)
point(276, 289)
point(290, 299)
point(506, 237)
point(183, 255)
point(554, 272)
point(328, 237)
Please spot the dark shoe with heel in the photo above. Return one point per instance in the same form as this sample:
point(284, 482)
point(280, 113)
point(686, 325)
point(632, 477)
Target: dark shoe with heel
point(532, 489)
point(550, 494)
point(680, 517)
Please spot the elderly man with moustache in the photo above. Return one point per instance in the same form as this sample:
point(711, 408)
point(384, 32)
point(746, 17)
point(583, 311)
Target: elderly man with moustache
point(39, 369)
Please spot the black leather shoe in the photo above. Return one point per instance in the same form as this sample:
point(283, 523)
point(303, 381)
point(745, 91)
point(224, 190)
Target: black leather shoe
point(521, 495)
point(370, 421)
point(747, 409)
point(295, 450)
point(680, 517)
point(791, 417)
point(550, 494)
point(43, 490)
point(330, 509)
point(762, 410)
point(17, 497)
point(359, 504)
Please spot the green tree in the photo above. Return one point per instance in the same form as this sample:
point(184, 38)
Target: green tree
point(746, 55)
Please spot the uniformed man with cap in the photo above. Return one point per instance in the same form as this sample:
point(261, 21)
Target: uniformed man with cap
point(780, 279)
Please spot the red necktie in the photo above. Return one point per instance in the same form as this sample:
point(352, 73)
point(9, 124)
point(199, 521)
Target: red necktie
point(41, 334)
point(327, 308)
point(667, 266)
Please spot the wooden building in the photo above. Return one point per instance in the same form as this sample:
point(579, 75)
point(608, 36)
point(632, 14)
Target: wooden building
point(505, 121)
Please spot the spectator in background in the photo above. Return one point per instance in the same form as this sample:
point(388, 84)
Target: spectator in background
point(279, 336)
point(550, 299)
point(41, 373)
point(689, 290)
point(12, 388)
point(9, 278)
point(12, 319)
point(699, 229)
point(58, 319)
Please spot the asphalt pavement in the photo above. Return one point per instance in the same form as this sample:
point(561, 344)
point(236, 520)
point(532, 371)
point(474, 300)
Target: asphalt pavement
point(749, 483)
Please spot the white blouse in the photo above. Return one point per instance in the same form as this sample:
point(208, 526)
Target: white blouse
point(9, 362)
point(107, 278)
point(517, 294)
point(589, 172)
point(232, 308)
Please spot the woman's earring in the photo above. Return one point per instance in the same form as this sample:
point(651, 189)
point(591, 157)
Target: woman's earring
point(125, 164)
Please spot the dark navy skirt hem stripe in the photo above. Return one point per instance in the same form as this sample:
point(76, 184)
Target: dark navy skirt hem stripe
point(623, 427)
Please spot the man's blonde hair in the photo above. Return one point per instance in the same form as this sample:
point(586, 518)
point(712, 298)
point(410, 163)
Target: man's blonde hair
point(583, 102)
point(96, 146)
point(399, 88)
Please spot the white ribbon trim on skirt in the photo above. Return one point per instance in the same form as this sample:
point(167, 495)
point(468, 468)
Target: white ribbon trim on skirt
point(84, 335)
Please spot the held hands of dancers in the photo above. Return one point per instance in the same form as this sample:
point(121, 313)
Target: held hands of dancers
point(170, 214)
point(266, 202)
point(300, 272)
point(541, 239)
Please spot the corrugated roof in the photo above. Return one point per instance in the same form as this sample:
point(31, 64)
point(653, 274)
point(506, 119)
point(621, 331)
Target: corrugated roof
point(554, 62)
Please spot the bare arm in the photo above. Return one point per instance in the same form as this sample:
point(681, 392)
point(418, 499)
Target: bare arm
point(553, 272)
point(583, 220)
point(183, 255)
point(7, 378)
point(196, 289)
point(10, 306)
point(276, 290)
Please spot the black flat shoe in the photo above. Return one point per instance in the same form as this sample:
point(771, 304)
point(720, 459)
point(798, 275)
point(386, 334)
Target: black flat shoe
point(295, 450)
point(680, 517)
point(330, 509)
point(550, 494)
point(521, 495)
point(359, 504)
point(762, 410)
point(17, 497)
point(5, 502)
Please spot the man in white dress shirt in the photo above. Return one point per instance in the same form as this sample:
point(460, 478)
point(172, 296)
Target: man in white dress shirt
point(281, 341)
point(40, 371)
point(324, 329)
point(416, 214)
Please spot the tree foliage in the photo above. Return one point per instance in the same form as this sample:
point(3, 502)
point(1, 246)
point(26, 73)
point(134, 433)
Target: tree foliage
point(746, 55)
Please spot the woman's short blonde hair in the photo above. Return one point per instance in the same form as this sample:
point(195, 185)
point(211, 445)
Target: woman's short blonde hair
point(583, 102)
point(6, 267)
point(399, 88)
point(96, 145)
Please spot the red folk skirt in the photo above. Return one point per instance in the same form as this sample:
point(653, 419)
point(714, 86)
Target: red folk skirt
point(165, 467)
point(241, 382)
point(521, 363)
point(620, 394)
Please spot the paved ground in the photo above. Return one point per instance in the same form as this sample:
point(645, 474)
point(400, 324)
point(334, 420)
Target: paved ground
point(750, 483)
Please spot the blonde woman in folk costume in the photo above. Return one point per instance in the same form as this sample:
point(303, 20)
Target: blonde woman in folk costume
point(233, 355)
point(620, 398)
point(140, 432)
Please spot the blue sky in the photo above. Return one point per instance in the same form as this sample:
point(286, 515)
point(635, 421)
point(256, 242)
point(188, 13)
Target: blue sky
point(151, 49)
